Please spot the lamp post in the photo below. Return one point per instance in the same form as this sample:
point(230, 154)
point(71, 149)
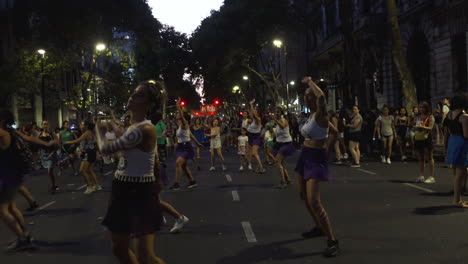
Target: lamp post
point(42, 52)
point(280, 45)
point(99, 47)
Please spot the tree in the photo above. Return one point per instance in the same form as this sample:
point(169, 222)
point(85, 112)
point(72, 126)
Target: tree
point(408, 86)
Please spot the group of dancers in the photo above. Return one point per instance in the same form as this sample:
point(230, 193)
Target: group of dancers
point(135, 211)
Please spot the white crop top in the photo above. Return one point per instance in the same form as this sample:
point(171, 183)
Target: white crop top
point(136, 165)
point(311, 130)
point(282, 134)
point(245, 123)
point(183, 135)
point(254, 128)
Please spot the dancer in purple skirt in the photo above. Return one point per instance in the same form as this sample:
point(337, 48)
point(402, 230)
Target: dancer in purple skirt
point(283, 147)
point(312, 166)
point(184, 149)
point(255, 139)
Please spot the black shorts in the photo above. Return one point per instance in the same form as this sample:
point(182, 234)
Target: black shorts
point(89, 156)
point(424, 144)
point(134, 208)
point(355, 136)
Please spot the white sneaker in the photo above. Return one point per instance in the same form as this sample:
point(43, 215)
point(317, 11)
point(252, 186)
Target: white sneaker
point(404, 158)
point(383, 159)
point(346, 156)
point(97, 187)
point(430, 180)
point(89, 190)
point(179, 224)
point(250, 167)
point(224, 168)
point(420, 179)
point(389, 161)
point(212, 168)
point(241, 168)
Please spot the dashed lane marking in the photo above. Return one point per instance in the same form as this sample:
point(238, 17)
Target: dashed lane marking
point(417, 187)
point(81, 187)
point(366, 171)
point(45, 206)
point(235, 196)
point(229, 178)
point(107, 173)
point(249, 234)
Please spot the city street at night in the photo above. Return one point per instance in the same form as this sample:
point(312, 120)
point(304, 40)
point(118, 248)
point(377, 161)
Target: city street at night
point(380, 216)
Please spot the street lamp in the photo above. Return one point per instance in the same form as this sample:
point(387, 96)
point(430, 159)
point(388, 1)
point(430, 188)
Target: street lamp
point(245, 77)
point(235, 89)
point(279, 44)
point(100, 47)
point(42, 52)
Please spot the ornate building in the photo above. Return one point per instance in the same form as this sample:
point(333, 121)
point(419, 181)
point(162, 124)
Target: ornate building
point(349, 46)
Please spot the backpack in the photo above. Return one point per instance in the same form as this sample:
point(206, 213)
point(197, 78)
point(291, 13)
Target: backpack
point(22, 154)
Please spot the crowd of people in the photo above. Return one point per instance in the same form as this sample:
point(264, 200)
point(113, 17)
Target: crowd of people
point(142, 141)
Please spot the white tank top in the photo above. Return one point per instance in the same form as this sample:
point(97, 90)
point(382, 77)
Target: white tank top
point(282, 134)
point(254, 128)
point(183, 135)
point(136, 165)
point(245, 123)
point(311, 130)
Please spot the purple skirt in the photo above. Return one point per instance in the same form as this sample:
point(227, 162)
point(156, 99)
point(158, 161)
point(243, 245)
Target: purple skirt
point(255, 139)
point(134, 208)
point(185, 150)
point(313, 164)
point(286, 149)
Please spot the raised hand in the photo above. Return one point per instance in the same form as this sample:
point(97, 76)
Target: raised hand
point(252, 101)
point(306, 79)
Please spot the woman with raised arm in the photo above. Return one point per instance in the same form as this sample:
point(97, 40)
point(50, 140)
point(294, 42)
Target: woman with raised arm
point(11, 178)
point(134, 210)
point(184, 150)
point(88, 155)
point(255, 138)
point(312, 166)
point(283, 148)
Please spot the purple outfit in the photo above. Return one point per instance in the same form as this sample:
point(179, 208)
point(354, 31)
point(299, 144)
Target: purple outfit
point(313, 164)
point(185, 150)
point(286, 149)
point(255, 139)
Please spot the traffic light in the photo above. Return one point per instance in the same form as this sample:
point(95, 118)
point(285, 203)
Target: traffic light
point(182, 103)
point(216, 102)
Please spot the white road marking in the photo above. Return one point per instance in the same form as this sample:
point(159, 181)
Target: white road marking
point(235, 196)
point(249, 234)
point(228, 177)
point(107, 173)
point(417, 187)
point(45, 206)
point(81, 187)
point(366, 171)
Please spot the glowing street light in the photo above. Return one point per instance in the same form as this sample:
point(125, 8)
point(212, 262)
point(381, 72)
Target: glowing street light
point(292, 83)
point(245, 77)
point(278, 43)
point(235, 89)
point(322, 80)
point(41, 51)
point(100, 47)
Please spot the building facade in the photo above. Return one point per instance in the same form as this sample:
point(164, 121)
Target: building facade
point(349, 47)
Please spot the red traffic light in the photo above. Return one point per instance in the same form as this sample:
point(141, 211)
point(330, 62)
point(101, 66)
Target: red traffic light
point(182, 103)
point(216, 102)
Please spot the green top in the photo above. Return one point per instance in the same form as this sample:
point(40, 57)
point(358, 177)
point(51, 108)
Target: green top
point(160, 127)
point(66, 136)
point(270, 124)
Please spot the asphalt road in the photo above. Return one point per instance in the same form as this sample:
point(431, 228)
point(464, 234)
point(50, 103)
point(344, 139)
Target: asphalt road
point(378, 214)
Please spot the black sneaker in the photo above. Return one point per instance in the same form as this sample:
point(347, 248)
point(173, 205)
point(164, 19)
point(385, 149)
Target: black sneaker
point(337, 162)
point(314, 232)
point(175, 187)
point(21, 244)
point(191, 185)
point(332, 250)
point(33, 206)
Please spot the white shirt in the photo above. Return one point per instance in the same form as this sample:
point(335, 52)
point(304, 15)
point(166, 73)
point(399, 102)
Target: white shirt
point(445, 109)
point(268, 136)
point(242, 141)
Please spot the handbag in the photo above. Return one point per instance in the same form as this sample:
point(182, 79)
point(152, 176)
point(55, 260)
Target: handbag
point(422, 134)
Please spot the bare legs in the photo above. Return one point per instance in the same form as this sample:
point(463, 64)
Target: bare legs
point(144, 248)
point(355, 151)
point(13, 218)
point(284, 175)
point(458, 186)
point(423, 157)
point(219, 152)
point(181, 167)
point(254, 153)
